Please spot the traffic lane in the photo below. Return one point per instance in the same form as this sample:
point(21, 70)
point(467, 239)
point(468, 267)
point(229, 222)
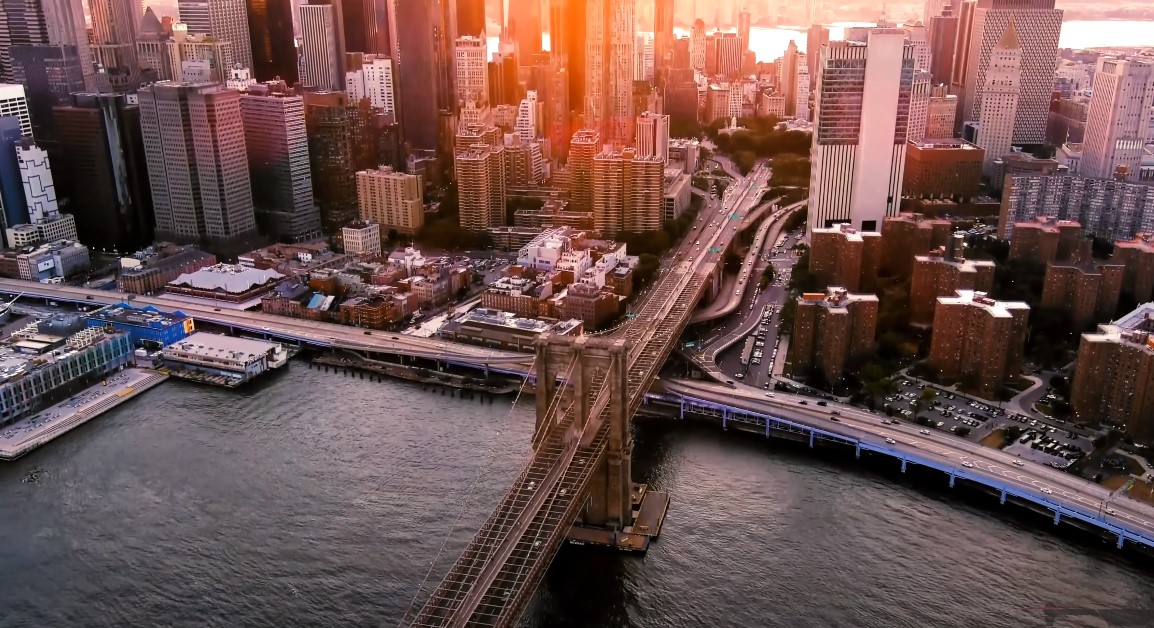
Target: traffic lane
point(1036, 476)
point(1032, 476)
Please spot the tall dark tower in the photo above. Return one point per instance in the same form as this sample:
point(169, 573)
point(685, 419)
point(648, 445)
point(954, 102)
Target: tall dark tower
point(413, 26)
point(270, 28)
point(567, 44)
point(525, 26)
point(470, 17)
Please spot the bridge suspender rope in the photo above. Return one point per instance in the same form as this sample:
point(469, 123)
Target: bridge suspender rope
point(466, 499)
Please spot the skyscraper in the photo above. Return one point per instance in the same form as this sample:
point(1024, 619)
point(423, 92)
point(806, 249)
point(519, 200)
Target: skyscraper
point(662, 34)
point(697, 45)
point(816, 37)
point(1000, 98)
point(65, 26)
point(653, 136)
point(981, 27)
point(366, 26)
point(471, 18)
point(941, 113)
point(583, 149)
point(919, 106)
point(322, 54)
point(114, 25)
point(223, 19)
point(481, 185)
point(627, 192)
point(11, 190)
point(14, 103)
point(413, 34)
point(276, 144)
point(394, 200)
point(197, 166)
point(942, 33)
point(860, 130)
point(524, 27)
point(101, 148)
point(610, 40)
point(274, 53)
point(567, 25)
point(1118, 124)
point(787, 77)
point(727, 55)
point(744, 21)
point(472, 70)
point(372, 77)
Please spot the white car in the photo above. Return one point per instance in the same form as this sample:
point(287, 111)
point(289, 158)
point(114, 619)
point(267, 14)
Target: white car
point(1111, 511)
point(924, 432)
point(1019, 463)
point(890, 441)
point(1046, 490)
point(967, 464)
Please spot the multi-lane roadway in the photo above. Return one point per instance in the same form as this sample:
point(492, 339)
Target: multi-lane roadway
point(997, 467)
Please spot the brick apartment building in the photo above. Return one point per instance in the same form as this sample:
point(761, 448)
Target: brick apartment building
point(829, 329)
point(979, 339)
point(843, 256)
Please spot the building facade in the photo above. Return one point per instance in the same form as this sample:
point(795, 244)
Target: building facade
point(860, 131)
point(829, 330)
point(943, 168)
point(1118, 120)
point(978, 341)
point(843, 256)
point(941, 273)
point(393, 200)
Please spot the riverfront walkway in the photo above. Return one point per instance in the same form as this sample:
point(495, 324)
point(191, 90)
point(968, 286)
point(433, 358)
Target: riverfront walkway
point(27, 434)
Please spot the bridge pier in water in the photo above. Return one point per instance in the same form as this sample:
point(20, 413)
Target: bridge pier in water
point(616, 513)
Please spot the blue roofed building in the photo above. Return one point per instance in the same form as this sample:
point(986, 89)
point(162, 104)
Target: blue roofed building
point(146, 326)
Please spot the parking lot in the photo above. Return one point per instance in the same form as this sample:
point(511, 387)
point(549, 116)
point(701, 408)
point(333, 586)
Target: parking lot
point(1049, 444)
point(947, 411)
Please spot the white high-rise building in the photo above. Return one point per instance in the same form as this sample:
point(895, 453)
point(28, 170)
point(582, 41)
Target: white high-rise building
point(472, 69)
point(916, 34)
point(860, 130)
point(371, 76)
point(788, 73)
point(653, 136)
point(14, 103)
point(697, 46)
point(528, 117)
point(610, 38)
point(321, 55)
point(1000, 97)
point(36, 175)
point(643, 65)
point(980, 28)
point(919, 105)
point(934, 8)
point(1118, 123)
point(802, 87)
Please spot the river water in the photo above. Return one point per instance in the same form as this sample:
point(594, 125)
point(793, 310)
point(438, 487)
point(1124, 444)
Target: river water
point(315, 499)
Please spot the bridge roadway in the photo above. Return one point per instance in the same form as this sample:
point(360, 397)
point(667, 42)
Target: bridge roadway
point(495, 577)
point(291, 329)
point(1069, 496)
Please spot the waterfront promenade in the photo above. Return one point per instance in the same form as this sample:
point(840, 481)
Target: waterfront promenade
point(27, 434)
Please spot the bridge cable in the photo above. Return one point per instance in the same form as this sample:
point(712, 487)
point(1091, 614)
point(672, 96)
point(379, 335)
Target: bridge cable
point(466, 499)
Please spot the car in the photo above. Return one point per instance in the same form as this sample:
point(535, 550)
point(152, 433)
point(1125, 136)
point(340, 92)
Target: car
point(803, 403)
point(835, 412)
point(1019, 463)
point(967, 464)
point(769, 394)
point(368, 333)
point(924, 432)
point(1111, 511)
point(216, 309)
point(264, 328)
point(822, 403)
point(835, 419)
point(698, 242)
point(1046, 490)
point(890, 441)
point(740, 376)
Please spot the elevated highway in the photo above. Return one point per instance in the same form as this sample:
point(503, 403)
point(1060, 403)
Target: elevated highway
point(1064, 494)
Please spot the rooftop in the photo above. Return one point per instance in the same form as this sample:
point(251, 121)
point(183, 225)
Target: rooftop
point(836, 297)
point(125, 314)
point(851, 234)
point(997, 309)
point(231, 347)
point(229, 278)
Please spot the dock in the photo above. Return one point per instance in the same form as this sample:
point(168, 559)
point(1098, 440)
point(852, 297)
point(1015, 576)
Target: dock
point(649, 510)
point(27, 434)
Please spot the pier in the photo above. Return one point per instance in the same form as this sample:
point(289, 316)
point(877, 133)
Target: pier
point(27, 434)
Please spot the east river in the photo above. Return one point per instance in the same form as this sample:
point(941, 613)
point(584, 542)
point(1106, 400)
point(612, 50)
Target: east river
point(315, 499)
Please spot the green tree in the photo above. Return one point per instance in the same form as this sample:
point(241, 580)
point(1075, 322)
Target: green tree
point(924, 401)
point(963, 430)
